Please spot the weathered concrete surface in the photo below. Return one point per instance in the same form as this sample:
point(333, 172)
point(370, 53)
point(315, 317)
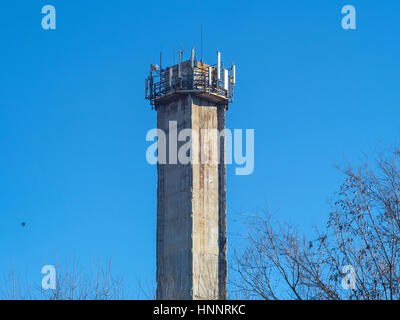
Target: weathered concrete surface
point(205, 202)
point(174, 214)
point(191, 206)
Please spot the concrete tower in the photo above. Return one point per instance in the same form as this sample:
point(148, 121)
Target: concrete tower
point(191, 202)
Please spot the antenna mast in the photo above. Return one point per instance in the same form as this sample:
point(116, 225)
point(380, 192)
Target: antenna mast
point(201, 41)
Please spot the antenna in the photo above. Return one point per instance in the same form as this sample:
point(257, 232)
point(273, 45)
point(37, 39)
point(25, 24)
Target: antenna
point(192, 58)
point(233, 74)
point(226, 78)
point(218, 65)
point(201, 42)
point(180, 62)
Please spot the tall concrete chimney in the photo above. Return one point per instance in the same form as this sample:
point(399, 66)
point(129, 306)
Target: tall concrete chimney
point(191, 197)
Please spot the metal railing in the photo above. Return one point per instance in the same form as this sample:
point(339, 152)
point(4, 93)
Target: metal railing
point(193, 79)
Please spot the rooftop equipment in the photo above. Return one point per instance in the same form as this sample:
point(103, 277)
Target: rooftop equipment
point(190, 76)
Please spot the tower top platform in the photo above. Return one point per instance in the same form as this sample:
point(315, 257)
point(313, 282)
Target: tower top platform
point(212, 82)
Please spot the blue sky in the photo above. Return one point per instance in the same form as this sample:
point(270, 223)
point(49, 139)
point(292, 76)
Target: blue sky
point(73, 118)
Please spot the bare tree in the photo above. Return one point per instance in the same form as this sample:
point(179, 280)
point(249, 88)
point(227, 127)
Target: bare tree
point(14, 286)
point(356, 257)
point(72, 283)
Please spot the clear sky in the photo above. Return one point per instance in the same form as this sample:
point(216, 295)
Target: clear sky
point(73, 117)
